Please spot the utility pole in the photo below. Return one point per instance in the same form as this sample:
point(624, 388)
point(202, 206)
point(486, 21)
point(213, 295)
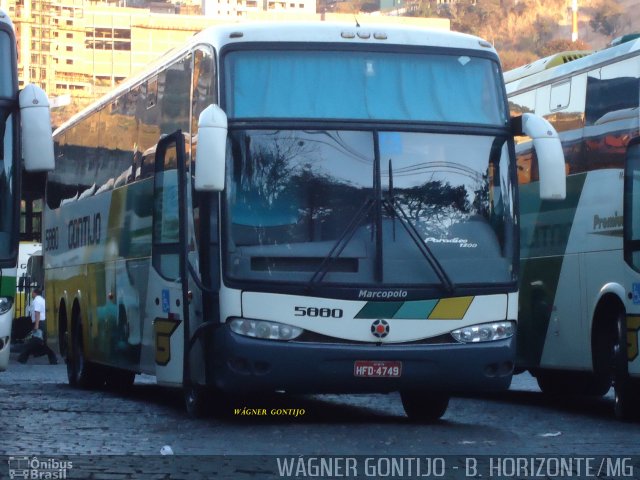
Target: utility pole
point(574, 20)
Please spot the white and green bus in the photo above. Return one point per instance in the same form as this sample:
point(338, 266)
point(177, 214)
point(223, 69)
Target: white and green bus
point(580, 280)
point(24, 118)
point(294, 207)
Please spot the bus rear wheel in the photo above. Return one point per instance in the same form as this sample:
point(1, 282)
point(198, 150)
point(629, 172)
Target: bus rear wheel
point(81, 372)
point(424, 407)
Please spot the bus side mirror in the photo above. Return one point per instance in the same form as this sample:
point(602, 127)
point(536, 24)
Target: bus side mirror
point(553, 177)
point(211, 150)
point(37, 140)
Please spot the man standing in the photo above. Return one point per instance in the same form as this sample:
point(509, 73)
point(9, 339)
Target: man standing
point(38, 317)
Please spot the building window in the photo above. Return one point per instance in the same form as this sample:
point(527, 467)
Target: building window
point(69, 48)
point(109, 38)
point(69, 62)
point(69, 35)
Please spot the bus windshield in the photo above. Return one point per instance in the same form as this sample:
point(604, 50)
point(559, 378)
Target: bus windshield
point(363, 85)
point(370, 208)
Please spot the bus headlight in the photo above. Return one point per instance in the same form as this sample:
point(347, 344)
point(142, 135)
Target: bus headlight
point(264, 329)
point(5, 304)
point(485, 332)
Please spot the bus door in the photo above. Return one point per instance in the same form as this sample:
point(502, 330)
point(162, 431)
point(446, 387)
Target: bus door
point(167, 290)
point(632, 255)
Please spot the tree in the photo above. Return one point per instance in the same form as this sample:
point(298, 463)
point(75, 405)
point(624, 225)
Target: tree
point(561, 45)
point(514, 58)
point(544, 27)
point(607, 19)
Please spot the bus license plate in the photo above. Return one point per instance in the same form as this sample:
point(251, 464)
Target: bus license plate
point(374, 368)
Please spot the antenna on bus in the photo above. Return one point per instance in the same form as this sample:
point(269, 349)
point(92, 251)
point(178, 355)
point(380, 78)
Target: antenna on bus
point(356, 19)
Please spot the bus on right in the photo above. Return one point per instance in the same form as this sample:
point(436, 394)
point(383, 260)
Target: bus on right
point(579, 305)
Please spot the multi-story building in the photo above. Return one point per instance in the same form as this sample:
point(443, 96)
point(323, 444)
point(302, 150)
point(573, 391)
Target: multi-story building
point(244, 8)
point(83, 49)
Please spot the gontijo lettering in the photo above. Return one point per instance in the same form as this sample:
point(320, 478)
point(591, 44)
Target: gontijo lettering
point(84, 231)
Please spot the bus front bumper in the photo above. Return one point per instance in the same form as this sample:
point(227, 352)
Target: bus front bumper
point(244, 364)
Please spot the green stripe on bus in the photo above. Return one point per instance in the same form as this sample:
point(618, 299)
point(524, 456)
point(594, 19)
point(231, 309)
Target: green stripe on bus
point(379, 310)
point(441, 309)
point(8, 287)
point(418, 310)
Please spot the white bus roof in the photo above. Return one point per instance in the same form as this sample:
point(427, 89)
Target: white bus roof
point(329, 32)
point(546, 71)
point(543, 64)
point(313, 32)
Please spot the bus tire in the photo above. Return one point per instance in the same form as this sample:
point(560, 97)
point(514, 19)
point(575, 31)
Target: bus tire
point(570, 383)
point(63, 332)
point(604, 338)
point(82, 373)
point(626, 390)
point(424, 407)
point(560, 382)
point(552, 382)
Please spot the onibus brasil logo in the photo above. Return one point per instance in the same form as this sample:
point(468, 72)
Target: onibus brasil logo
point(38, 468)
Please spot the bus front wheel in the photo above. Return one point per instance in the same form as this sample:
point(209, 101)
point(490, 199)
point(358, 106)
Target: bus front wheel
point(570, 382)
point(424, 407)
point(626, 389)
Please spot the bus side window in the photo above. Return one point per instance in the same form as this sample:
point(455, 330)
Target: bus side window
point(632, 208)
point(562, 104)
point(611, 113)
point(166, 220)
point(205, 207)
point(618, 93)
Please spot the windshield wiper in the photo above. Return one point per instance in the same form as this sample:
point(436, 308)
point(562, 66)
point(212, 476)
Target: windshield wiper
point(341, 243)
point(395, 212)
point(405, 221)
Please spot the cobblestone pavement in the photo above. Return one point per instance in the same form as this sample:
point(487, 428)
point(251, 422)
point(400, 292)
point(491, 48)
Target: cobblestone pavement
point(43, 416)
